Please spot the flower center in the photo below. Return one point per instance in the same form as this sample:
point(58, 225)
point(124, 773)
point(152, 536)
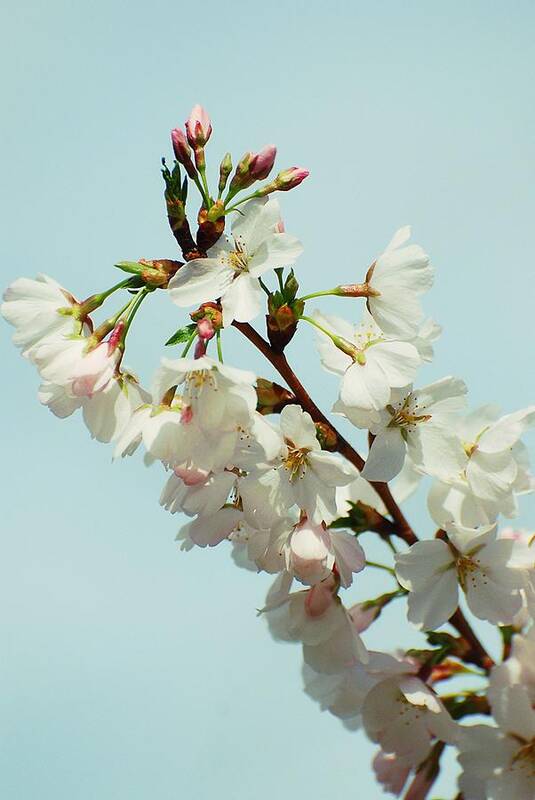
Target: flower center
point(406, 414)
point(295, 462)
point(195, 381)
point(467, 568)
point(238, 259)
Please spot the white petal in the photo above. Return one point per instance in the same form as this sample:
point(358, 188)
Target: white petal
point(386, 456)
point(199, 281)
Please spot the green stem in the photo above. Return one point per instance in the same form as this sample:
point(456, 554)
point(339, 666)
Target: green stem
point(243, 200)
point(132, 311)
point(325, 293)
point(219, 347)
point(381, 566)
point(206, 189)
point(189, 343)
point(96, 300)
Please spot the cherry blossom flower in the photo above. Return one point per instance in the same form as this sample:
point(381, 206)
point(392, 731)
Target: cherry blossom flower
point(40, 309)
point(397, 279)
point(485, 467)
point(318, 619)
point(235, 264)
point(473, 559)
point(499, 763)
point(343, 693)
point(302, 474)
point(403, 714)
point(313, 551)
point(418, 421)
point(377, 366)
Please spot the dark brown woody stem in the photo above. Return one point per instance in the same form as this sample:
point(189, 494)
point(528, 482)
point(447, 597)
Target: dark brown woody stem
point(477, 653)
point(280, 363)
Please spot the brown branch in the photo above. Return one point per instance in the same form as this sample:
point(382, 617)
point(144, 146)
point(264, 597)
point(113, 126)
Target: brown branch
point(278, 360)
point(476, 653)
point(426, 775)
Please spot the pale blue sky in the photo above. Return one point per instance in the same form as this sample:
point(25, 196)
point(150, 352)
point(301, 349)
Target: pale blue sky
point(131, 670)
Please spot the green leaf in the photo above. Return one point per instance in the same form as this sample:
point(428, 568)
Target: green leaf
point(181, 335)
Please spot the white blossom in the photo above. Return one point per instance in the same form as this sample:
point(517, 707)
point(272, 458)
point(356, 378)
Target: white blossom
point(235, 263)
point(402, 714)
point(473, 559)
point(418, 421)
point(399, 276)
point(302, 474)
point(378, 365)
point(39, 309)
point(484, 468)
point(499, 763)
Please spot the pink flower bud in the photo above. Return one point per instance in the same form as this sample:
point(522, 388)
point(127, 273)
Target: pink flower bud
point(311, 557)
point(182, 151)
point(191, 477)
point(290, 178)
point(261, 163)
point(181, 147)
point(319, 599)
point(363, 617)
point(205, 329)
point(198, 127)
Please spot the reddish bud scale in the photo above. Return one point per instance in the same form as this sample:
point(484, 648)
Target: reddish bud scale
point(326, 436)
point(271, 398)
point(209, 231)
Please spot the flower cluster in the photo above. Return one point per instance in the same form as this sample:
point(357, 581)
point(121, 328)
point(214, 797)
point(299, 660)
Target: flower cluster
point(258, 467)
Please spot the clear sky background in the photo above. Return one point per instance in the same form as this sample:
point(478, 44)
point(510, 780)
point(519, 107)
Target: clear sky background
point(131, 670)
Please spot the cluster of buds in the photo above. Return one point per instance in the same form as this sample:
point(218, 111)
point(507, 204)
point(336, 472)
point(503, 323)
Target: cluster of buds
point(284, 311)
point(209, 321)
point(291, 495)
point(189, 151)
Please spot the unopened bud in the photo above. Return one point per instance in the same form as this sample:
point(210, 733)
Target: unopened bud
point(271, 398)
point(211, 312)
point(225, 168)
point(326, 436)
point(158, 272)
point(285, 180)
point(205, 329)
point(182, 151)
point(262, 162)
point(242, 177)
point(198, 127)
